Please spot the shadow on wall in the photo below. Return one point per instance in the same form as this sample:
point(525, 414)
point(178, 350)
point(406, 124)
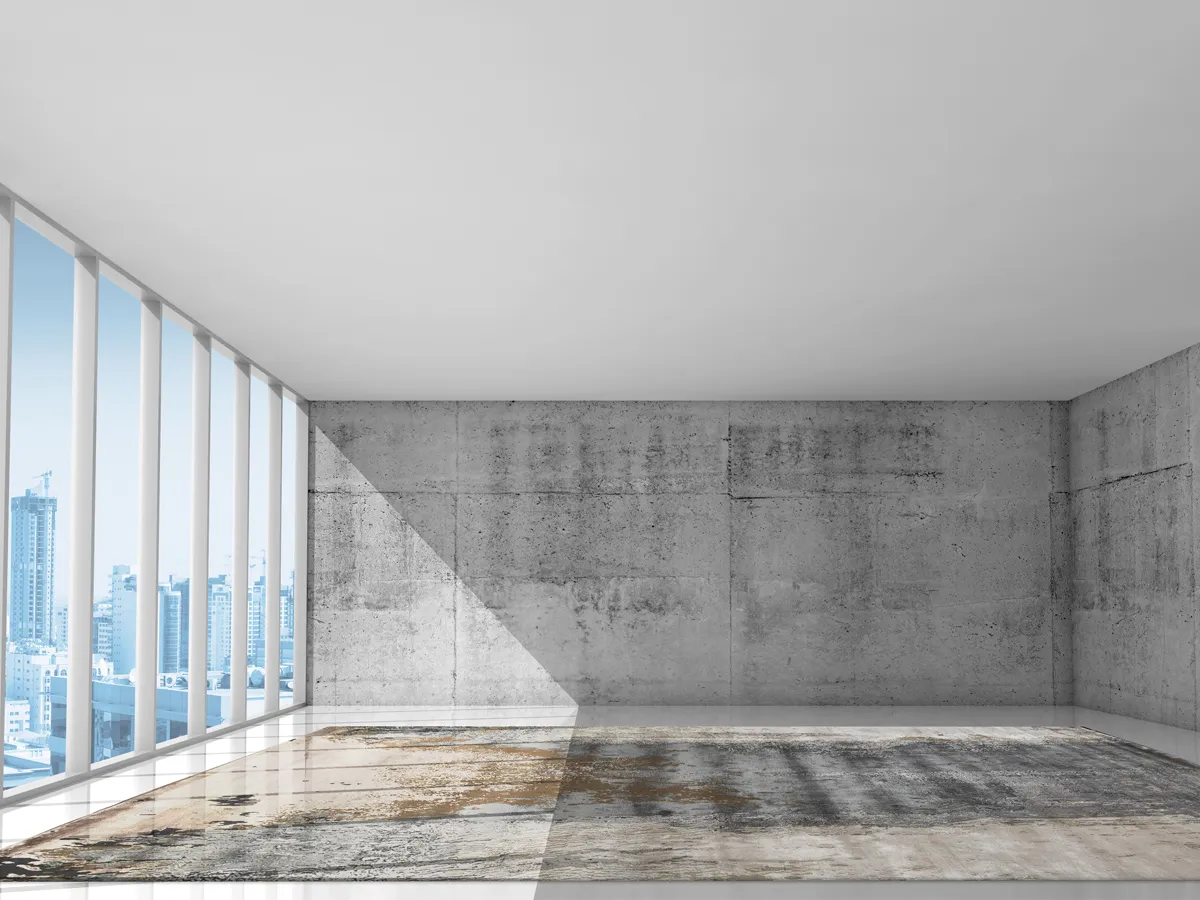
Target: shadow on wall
point(392, 623)
point(684, 553)
point(566, 579)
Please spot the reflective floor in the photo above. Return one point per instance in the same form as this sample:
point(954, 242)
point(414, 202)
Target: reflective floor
point(20, 822)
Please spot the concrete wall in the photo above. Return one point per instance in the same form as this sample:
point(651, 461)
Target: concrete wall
point(1134, 445)
point(528, 553)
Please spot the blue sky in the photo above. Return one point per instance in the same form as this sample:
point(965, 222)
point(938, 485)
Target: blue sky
point(43, 293)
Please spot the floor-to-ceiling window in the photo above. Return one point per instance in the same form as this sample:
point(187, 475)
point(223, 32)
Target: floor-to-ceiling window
point(174, 530)
point(114, 602)
point(220, 531)
point(287, 557)
point(256, 650)
point(49, 434)
point(39, 489)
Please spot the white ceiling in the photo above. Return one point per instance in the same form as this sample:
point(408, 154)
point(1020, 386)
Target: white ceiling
point(633, 198)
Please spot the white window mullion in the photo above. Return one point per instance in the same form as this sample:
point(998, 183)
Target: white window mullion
point(83, 509)
point(7, 231)
point(274, 524)
point(239, 633)
point(198, 589)
point(146, 625)
point(300, 597)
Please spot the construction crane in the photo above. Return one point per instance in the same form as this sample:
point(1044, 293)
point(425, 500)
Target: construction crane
point(44, 478)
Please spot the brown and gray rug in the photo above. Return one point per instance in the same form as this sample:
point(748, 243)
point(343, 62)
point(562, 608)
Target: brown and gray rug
point(674, 803)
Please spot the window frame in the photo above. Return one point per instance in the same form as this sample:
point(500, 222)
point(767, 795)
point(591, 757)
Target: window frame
point(90, 266)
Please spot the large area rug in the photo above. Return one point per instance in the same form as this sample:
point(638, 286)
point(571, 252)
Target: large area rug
point(652, 803)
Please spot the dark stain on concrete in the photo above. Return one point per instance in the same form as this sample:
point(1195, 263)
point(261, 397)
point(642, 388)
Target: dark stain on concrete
point(917, 781)
point(733, 781)
point(235, 800)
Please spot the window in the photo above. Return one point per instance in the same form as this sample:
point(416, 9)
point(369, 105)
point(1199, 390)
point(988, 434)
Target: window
point(114, 607)
point(287, 556)
point(35, 629)
point(174, 530)
point(256, 650)
point(220, 532)
point(39, 492)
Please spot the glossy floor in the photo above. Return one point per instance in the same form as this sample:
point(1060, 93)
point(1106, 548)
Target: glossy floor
point(22, 821)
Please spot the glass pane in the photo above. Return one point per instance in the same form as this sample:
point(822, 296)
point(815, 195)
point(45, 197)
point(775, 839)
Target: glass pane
point(220, 539)
point(174, 529)
point(115, 590)
point(40, 448)
point(287, 574)
point(256, 650)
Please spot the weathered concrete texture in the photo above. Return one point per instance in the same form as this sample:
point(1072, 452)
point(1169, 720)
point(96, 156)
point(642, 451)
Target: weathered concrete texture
point(861, 598)
point(790, 449)
point(556, 536)
point(504, 654)
point(1194, 462)
point(579, 548)
point(593, 448)
point(632, 640)
point(896, 552)
point(1131, 528)
point(363, 447)
point(1062, 556)
point(1134, 425)
point(1134, 597)
point(687, 552)
point(680, 803)
point(891, 553)
point(383, 599)
point(1060, 447)
point(1062, 578)
point(622, 598)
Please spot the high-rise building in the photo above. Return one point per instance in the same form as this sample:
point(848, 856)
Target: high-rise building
point(60, 626)
point(168, 628)
point(117, 579)
point(102, 629)
point(220, 621)
point(182, 586)
point(16, 717)
point(27, 674)
point(287, 608)
point(31, 594)
point(287, 623)
point(124, 622)
point(256, 649)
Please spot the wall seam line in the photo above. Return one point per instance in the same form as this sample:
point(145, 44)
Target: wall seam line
point(458, 592)
point(1191, 386)
point(1118, 480)
point(729, 489)
point(1054, 586)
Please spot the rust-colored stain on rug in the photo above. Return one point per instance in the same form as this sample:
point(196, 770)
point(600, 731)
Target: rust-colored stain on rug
point(644, 803)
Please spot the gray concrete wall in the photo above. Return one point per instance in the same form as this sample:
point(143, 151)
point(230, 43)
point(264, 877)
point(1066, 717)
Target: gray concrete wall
point(676, 553)
point(1130, 514)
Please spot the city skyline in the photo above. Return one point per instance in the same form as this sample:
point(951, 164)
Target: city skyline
point(36, 670)
point(43, 278)
point(36, 662)
point(39, 559)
